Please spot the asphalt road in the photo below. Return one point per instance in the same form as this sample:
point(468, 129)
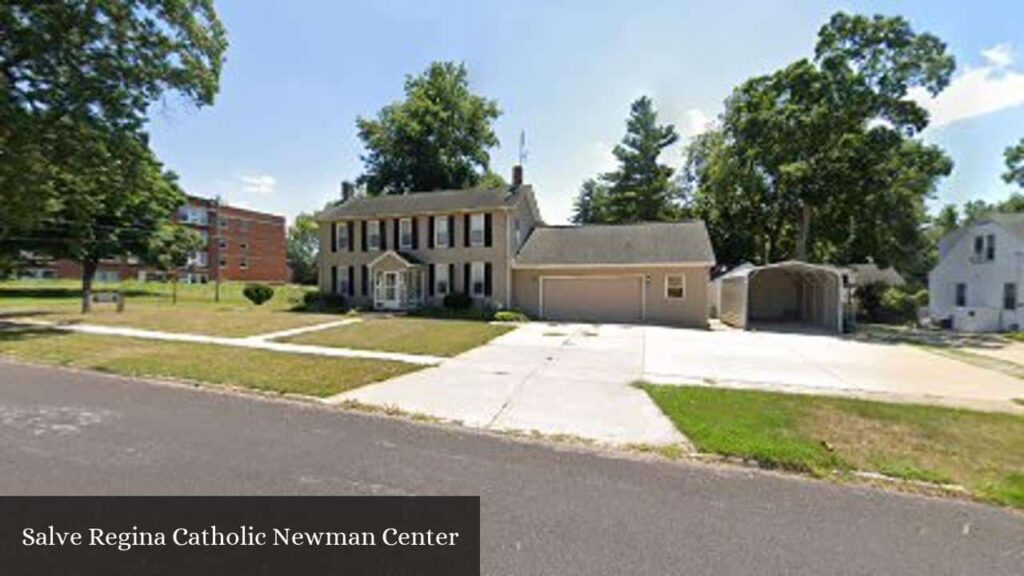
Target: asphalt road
point(544, 510)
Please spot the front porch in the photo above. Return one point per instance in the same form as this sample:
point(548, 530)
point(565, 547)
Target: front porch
point(396, 282)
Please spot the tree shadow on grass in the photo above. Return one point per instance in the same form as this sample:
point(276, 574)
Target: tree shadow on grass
point(10, 332)
point(64, 293)
point(936, 338)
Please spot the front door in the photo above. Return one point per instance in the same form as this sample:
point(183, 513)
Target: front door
point(390, 294)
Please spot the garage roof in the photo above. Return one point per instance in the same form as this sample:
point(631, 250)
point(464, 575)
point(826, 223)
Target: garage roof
point(618, 244)
point(745, 270)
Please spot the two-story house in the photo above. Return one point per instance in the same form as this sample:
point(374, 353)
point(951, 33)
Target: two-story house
point(397, 252)
point(976, 282)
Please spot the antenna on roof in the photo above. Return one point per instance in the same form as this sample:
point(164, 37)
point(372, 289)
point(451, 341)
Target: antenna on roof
point(522, 147)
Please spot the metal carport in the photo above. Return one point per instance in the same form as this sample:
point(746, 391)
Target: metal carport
point(790, 294)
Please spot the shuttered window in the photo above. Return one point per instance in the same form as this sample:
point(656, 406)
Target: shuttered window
point(476, 230)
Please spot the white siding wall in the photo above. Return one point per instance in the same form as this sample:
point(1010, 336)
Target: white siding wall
point(984, 279)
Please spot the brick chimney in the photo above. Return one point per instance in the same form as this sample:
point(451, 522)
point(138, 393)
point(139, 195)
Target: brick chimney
point(348, 190)
point(517, 175)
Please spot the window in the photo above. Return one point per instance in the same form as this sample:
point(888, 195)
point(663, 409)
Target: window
point(197, 258)
point(223, 223)
point(223, 243)
point(519, 234)
point(342, 280)
point(373, 234)
point(244, 263)
point(342, 235)
point(990, 247)
point(193, 215)
point(979, 245)
point(405, 231)
point(244, 245)
point(961, 294)
point(205, 236)
point(441, 232)
point(223, 263)
point(675, 287)
point(476, 230)
point(441, 279)
point(107, 276)
point(476, 272)
point(1010, 296)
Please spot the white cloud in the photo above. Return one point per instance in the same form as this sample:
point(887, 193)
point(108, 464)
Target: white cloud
point(259, 184)
point(977, 91)
point(999, 56)
point(695, 122)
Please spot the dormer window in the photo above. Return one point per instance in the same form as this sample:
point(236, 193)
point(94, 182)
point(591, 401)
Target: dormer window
point(990, 247)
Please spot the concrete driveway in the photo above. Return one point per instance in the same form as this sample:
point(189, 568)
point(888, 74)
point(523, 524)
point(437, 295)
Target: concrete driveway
point(826, 364)
point(576, 379)
point(572, 379)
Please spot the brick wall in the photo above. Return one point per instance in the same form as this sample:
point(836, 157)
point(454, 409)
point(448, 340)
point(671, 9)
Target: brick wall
point(254, 247)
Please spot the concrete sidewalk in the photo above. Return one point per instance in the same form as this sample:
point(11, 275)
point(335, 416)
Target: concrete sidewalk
point(258, 342)
point(555, 379)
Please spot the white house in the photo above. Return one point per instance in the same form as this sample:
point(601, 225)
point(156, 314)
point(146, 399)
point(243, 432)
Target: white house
point(977, 279)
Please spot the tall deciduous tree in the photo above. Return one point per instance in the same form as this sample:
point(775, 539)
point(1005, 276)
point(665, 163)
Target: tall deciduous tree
point(1015, 164)
point(302, 248)
point(819, 158)
point(77, 177)
point(641, 189)
point(169, 250)
point(438, 138)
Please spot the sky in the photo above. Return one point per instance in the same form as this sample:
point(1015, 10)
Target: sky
point(281, 135)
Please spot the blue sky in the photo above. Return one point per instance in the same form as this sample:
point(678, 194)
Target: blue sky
point(282, 134)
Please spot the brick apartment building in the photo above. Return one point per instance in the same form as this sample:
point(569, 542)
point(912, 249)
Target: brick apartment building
point(241, 245)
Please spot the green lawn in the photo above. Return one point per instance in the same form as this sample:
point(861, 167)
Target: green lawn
point(984, 452)
point(407, 335)
point(256, 369)
point(148, 306)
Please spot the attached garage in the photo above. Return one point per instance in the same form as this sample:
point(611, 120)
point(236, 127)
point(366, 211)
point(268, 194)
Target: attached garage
point(784, 295)
point(651, 272)
point(592, 298)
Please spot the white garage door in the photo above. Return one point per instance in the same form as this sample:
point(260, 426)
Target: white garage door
point(593, 299)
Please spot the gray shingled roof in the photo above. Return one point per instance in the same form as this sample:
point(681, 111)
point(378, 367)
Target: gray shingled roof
point(869, 273)
point(648, 243)
point(425, 202)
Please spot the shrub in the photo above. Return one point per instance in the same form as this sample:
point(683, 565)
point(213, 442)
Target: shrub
point(921, 298)
point(510, 316)
point(898, 306)
point(458, 301)
point(323, 302)
point(869, 300)
point(258, 293)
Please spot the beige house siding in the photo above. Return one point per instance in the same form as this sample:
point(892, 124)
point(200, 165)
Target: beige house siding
point(460, 255)
point(691, 311)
